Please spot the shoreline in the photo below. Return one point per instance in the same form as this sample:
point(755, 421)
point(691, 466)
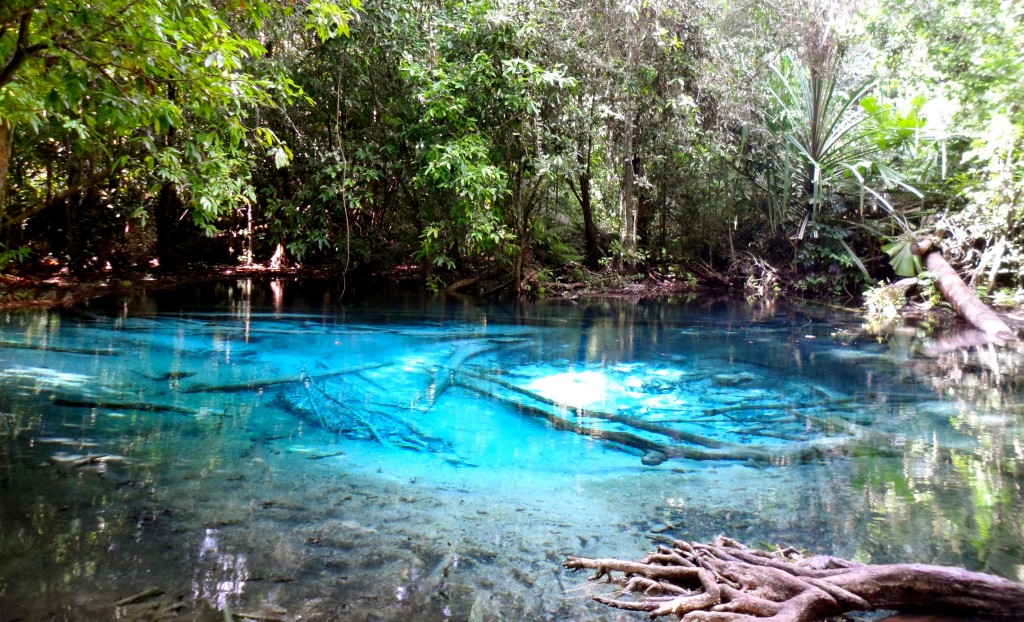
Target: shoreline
point(61, 290)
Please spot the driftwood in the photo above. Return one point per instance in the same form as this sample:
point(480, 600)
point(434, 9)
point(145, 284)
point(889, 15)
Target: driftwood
point(727, 582)
point(567, 287)
point(961, 297)
point(388, 424)
point(958, 340)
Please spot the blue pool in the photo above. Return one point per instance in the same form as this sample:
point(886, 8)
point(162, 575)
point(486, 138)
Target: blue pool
point(260, 450)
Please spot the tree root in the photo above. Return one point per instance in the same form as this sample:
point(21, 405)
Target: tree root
point(727, 582)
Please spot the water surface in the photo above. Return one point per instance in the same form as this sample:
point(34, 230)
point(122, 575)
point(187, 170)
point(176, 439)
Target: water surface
point(259, 448)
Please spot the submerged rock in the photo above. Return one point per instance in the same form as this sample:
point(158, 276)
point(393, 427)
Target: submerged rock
point(654, 458)
point(733, 380)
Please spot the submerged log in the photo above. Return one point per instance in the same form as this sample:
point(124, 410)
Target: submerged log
point(961, 297)
point(18, 345)
point(653, 452)
point(142, 406)
point(727, 582)
point(445, 374)
point(255, 385)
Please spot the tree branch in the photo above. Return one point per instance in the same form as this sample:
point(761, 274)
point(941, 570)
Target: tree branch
point(88, 182)
point(21, 49)
point(98, 67)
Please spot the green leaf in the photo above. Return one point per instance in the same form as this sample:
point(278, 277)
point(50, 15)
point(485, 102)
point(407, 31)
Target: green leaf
point(902, 259)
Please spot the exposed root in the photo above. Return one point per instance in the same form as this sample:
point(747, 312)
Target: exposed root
point(727, 582)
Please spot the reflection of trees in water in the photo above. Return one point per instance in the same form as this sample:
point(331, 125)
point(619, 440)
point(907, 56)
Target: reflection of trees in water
point(966, 495)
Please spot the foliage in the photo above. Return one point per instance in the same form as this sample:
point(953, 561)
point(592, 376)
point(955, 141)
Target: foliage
point(902, 258)
point(502, 138)
point(139, 92)
point(10, 256)
point(964, 58)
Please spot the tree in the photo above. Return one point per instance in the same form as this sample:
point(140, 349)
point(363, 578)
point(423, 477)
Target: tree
point(964, 59)
point(138, 92)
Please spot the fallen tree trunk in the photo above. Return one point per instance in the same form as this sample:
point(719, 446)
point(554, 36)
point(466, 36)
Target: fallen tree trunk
point(961, 297)
point(464, 283)
point(727, 582)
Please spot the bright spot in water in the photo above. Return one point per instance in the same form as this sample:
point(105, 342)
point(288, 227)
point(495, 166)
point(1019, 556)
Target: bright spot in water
point(579, 389)
point(43, 377)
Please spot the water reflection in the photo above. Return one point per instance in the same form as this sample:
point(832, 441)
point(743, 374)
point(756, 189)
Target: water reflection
point(257, 447)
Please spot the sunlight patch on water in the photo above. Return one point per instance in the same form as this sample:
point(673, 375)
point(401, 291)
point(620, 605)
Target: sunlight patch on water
point(578, 389)
point(45, 378)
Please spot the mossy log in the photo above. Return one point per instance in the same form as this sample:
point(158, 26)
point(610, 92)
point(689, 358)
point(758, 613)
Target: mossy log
point(725, 581)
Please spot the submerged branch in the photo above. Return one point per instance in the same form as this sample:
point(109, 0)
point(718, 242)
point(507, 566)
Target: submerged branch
point(634, 422)
point(657, 452)
point(143, 406)
point(255, 385)
point(17, 345)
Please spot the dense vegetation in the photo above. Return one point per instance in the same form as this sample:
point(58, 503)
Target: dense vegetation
point(771, 144)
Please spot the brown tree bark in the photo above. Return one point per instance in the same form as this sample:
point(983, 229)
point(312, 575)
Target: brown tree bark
point(627, 199)
point(727, 582)
point(6, 149)
point(963, 300)
point(589, 227)
point(167, 213)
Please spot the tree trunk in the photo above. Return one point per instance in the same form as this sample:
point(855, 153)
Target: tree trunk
point(627, 201)
point(6, 149)
point(960, 296)
point(726, 582)
point(643, 222)
point(168, 207)
point(589, 227)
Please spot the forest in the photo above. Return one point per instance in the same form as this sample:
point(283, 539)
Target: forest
point(775, 146)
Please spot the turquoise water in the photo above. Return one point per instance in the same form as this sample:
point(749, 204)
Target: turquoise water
point(259, 449)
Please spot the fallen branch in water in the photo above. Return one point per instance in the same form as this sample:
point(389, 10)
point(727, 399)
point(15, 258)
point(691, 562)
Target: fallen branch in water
point(143, 406)
point(445, 374)
point(17, 345)
point(727, 582)
point(654, 452)
point(255, 385)
point(635, 422)
point(143, 595)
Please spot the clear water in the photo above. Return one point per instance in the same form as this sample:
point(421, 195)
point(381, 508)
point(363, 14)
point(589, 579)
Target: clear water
point(255, 448)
